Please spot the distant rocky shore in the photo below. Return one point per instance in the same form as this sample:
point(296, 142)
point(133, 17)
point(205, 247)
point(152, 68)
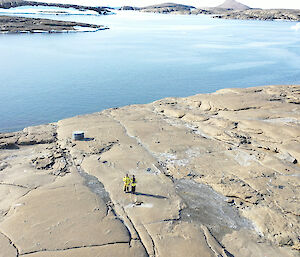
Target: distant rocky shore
point(14, 24)
point(222, 13)
point(230, 9)
point(11, 4)
point(262, 14)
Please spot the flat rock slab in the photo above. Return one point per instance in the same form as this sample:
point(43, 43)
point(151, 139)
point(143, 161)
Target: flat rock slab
point(217, 174)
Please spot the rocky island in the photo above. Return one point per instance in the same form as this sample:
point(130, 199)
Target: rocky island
point(168, 8)
point(14, 24)
point(217, 175)
point(7, 4)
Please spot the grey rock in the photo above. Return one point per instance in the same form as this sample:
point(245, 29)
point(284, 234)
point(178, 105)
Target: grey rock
point(14, 24)
point(287, 157)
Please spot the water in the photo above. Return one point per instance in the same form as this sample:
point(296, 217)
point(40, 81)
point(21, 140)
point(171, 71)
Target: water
point(141, 58)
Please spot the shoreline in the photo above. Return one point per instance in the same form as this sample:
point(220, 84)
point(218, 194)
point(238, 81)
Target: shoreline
point(90, 113)
point(222, 13)
point(172, 8)
point(15, 23)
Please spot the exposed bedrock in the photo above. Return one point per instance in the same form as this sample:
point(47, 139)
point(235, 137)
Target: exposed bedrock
point(217, 174)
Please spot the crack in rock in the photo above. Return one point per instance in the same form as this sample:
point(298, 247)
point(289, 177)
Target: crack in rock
point(214, 245)
point(11, 243)
point(10, 184)
point(74, 247)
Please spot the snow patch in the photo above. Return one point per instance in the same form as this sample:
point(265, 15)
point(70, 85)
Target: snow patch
point(296, 27)
point(85, 29)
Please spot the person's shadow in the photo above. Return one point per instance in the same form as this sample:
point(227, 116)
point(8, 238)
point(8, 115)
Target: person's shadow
point(149, 195)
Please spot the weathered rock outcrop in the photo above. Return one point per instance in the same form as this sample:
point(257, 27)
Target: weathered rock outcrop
point(217, 174)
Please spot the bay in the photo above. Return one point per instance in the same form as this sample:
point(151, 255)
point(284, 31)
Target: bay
point(142, 57)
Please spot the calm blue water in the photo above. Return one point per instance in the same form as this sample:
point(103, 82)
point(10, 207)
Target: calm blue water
point(143, 57)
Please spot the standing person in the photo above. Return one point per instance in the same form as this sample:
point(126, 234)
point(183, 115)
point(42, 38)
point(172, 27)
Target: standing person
point(126, 181)
point(133, 184)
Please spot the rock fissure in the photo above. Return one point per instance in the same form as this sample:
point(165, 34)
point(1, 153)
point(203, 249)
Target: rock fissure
point(16, 185)
point(6, 213)
point(213, 244)
point(237, 197)
point(152, 242)
point(285, 211)
point(139, 142)
point(74, 247)
point(11, 243)
point(134, 228)
point(209, 246)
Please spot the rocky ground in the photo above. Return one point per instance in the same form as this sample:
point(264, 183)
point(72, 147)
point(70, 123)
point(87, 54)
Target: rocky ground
point(218, 175)
point(14, 24)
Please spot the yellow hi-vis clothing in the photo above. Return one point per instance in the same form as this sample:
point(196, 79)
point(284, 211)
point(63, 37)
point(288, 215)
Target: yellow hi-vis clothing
point(133, 183)
point(126, 181)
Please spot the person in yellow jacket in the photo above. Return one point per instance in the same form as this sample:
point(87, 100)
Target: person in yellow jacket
point(126, 181)
point(133, 184)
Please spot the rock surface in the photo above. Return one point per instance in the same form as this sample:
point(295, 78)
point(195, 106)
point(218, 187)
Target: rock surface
point(217, 174)
point(14, 24)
